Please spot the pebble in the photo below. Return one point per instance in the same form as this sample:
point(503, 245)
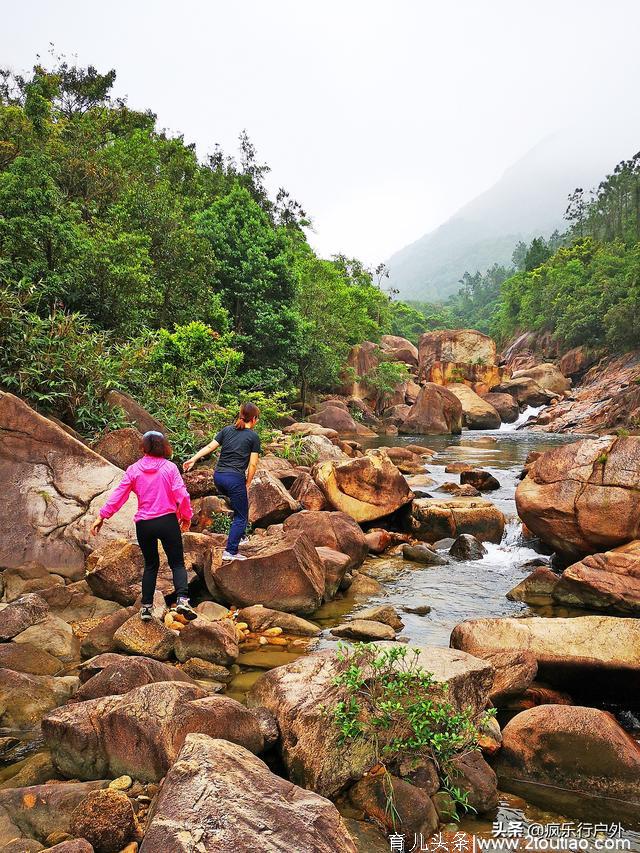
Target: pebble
point(122, 783)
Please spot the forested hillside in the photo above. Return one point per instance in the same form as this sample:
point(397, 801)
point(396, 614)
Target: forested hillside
point(582, 286)
point(126, 262)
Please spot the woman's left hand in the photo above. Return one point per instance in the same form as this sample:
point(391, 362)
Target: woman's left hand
point(185, 525)
point(97, 526)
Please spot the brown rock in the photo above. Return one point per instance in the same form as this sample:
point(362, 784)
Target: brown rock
point(75, 845)
point(199, 482)
point(151, 639)
point(40, 810)
point(524, 390)
point(400, 349)
point(34, 770)
point(458, 467)
point(121, 447)
point(576, 361)
point(141, 733)
point(397, 415)
point(483, 481)
point(55, 486)
point(193, 805)
point(142, 420)
point(30, 577)
point(514, 673)
point(24, 657)
point(307, 494)
point(477, 412)
point(609, 582)
point(436, 411)
point(335, 530)
point(205, 511)
point(269, 501)
point(379, 540)
point(363, 586)
point(578, 756)
point(105, 819)
point(364, 629)
point(259, 618)
point(434, 518)
point(567, 650)
point(282, 571)
point(21, 614)
point(126, 674)
point(460, 346)
point(505, 405)
point(336, 565)
point(473, 776)
point(547, 376)
point(458, 491)
point(312, 752)
point(279, 468)
point(212, 641)
point(567, 497)
point(53, 634)
point(204, 669)
point(384, 613)
point(100, 640)
point(24, 698)
point(366, 489)
point(75, 602)
point(536, 588)
point(414, 814)
point(335, 418)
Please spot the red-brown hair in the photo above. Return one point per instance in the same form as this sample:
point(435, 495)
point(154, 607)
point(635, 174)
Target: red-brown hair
point(156, 444)
point(248, 411)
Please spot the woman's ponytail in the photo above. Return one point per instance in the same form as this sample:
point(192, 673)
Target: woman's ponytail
point(248, 411)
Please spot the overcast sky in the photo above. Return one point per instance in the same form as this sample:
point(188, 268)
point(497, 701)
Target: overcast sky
point(382, 118)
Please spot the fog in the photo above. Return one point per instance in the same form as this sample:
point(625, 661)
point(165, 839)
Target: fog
point(381, 118)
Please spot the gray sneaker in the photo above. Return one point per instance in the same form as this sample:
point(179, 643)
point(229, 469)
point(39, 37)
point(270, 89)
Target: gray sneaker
point(227, 557)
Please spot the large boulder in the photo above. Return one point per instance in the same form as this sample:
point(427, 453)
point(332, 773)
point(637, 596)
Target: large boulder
point(55, 486)
point(150, 639)
point(269, 501)
point(308, 495)
point(126, 673)
point(432, 519)
point(336, 565)
point(477, 412)
point(299, 693)
point(436, 411)
point(504, 404)
point(339, 420)
point(335, 530)
point(218, 796)
point(456, 345)
point(212, 641)
point(99, 640)
point(547, 376)
point(53, 634)
point(282, 571)
point(75, 602)
point(141, 733)
point(366, 488)
point(584, 651)
point(577, 757)
point(524, 390)
point(362, 359)
point(25, 698)
point(260, 618)
point(30, 577)
point(608, 582)
point(584, 497)
point(21, 614)
point(138, 416)
point(400, 349)
point(121, 447)
point(25, 657)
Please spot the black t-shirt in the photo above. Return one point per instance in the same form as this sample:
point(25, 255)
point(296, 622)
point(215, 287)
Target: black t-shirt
point(236, 446)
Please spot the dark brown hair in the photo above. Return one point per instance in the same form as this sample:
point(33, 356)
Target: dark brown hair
point(156, 444)
point(248, 411)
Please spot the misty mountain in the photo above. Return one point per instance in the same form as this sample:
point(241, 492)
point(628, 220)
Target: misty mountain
point(529, 200)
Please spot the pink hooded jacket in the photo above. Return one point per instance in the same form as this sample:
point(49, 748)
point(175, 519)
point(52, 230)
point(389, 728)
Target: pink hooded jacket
point(157, 484)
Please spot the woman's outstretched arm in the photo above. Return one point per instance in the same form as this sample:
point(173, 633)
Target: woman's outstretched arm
point(117, 499)
point(204, 451)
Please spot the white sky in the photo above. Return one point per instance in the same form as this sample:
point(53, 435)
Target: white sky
point(382, 118)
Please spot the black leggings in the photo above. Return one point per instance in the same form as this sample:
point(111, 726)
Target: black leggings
point(166, 529)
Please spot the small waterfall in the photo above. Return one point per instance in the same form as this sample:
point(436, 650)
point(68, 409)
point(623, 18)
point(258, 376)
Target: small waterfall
point(529, 412)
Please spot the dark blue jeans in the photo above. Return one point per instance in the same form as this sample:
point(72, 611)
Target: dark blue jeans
point(234, 486)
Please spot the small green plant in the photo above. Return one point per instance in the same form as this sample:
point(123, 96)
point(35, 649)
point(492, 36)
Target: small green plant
point(621, 432)
point(297, 450)
point(390, 701)
point(220, 523)
point(356, 414)
point(602, 459)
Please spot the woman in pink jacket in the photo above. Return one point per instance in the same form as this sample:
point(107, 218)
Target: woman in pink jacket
point(164, 510)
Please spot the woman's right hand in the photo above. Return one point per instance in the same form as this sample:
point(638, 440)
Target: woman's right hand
point(188, 465)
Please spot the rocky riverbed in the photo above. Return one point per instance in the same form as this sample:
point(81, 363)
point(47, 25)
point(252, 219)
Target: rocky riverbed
point(378, 539)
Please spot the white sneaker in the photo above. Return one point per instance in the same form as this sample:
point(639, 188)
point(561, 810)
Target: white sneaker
point(226, 556)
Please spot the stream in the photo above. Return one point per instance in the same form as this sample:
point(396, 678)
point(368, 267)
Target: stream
point(454, 592)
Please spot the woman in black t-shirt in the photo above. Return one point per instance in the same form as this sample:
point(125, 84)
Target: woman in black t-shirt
point(239, 452)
